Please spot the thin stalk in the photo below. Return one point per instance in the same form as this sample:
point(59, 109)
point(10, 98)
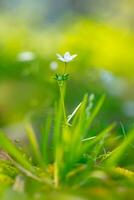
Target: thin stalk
point(62, 88)
point(65, 69)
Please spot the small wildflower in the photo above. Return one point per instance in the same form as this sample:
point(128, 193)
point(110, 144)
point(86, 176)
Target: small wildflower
point(26, 56)
point(53, 65)
point(66, 58)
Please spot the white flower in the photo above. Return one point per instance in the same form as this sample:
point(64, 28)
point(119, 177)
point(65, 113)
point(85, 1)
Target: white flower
point(53, 65)
point(26, 56)
point(66, 58)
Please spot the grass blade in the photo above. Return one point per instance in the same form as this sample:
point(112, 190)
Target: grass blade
point(45, 133)
point(34, 144)
point(10, 148)
point(116, 155)
point(95, 112)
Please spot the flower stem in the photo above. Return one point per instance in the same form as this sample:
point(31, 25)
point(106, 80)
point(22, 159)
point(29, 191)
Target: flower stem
point(62, 91)
point(65, 69)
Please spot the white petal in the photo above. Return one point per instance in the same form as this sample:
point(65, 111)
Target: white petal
point(67, 54)
point(75, 55)
point(67, 57)
point(58, 55)
point(62, 59)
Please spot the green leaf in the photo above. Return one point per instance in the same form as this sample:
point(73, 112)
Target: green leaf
point(13, 151)
point(117, 153)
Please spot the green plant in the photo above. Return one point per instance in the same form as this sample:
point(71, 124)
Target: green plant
point(66, 154)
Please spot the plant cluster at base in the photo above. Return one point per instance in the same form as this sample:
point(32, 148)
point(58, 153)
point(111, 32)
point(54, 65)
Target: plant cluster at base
point(66, 154)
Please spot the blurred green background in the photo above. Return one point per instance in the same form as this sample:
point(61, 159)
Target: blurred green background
point(100, 32)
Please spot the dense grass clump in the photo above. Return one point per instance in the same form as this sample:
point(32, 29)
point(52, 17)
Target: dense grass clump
point(67, 161)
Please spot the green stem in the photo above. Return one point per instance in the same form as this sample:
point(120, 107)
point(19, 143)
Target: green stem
point(65, 69)
point(62, 90)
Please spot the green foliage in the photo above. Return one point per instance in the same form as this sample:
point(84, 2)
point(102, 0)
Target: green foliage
point(66, 154)
point(69, 158)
